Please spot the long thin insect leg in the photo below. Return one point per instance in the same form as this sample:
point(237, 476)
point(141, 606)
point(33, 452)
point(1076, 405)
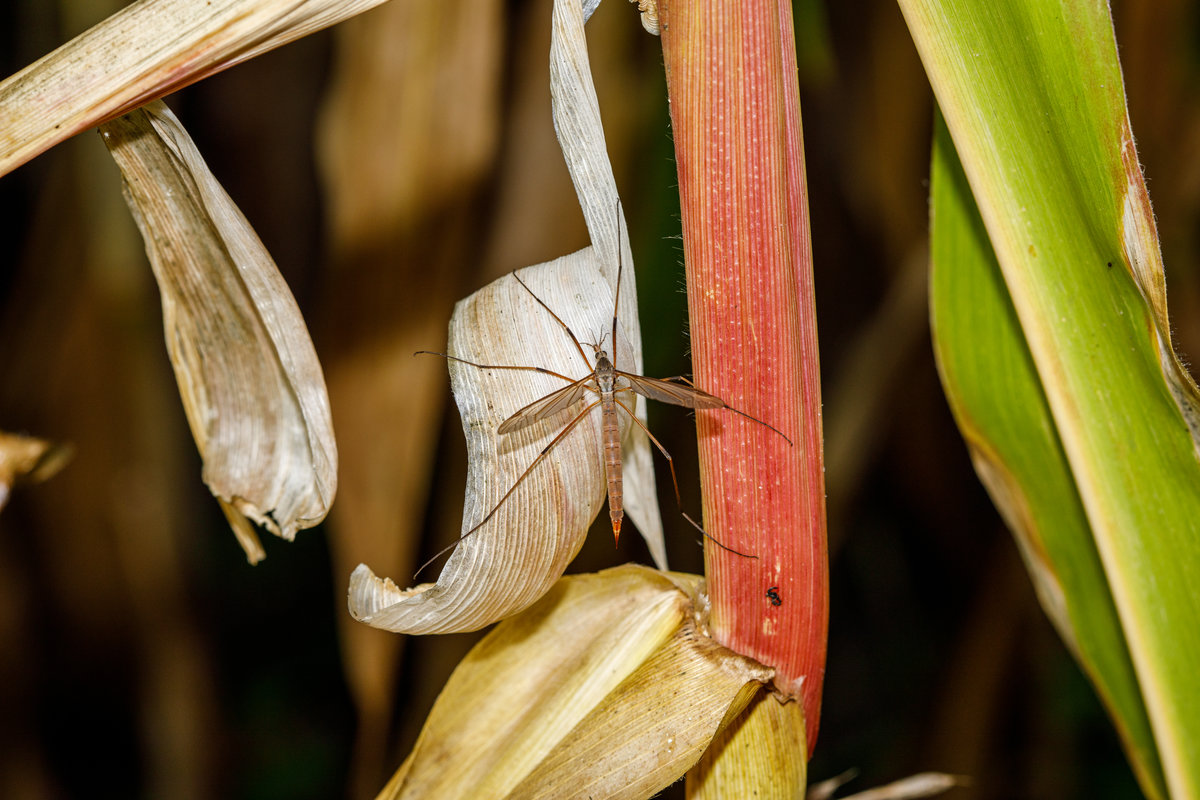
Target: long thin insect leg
point(688, 381)
point(715, 540)
point(675, 481)
point(760, 422)
point(542, 370)
point(569, 427)
point(558, 319)
point(661, 449)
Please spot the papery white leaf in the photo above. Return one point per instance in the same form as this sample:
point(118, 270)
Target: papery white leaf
point(524, 548)
point(520, 552)
point(248, 375)
point(649, 11)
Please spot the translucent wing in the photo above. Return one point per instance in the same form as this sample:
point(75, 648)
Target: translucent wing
point(547, 406)
point(673, 392)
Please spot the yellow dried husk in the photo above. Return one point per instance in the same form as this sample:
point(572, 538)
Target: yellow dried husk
point(247, 371)
point(606, 688)
point(761, 754)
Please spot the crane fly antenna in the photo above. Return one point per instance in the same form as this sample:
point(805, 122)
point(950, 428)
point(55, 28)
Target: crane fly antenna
point(620, 268)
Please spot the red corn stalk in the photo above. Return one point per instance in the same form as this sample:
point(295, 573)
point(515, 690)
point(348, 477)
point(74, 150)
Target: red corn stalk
point(735, 114)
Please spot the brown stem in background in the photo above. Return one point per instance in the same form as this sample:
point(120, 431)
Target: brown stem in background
point(735, 112)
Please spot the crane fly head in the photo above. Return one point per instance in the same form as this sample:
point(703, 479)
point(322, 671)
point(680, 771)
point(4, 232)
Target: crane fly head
point(601, 352)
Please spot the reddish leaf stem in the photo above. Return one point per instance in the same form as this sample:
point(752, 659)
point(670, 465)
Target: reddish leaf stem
point(735, 113)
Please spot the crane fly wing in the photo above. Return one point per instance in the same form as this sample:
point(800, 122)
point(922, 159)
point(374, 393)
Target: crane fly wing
point(677, 394)
point(548, 406)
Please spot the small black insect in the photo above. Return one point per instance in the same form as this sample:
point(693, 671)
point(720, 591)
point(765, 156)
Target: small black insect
point(773, 594)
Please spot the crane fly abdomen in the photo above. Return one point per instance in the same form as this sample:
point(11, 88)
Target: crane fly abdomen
point(612, 463)
point(606, 379)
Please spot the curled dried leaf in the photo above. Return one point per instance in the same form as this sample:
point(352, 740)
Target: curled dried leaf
point(26, 458)
point(248, 374)
point(604, 688)
point(146, 50)
point(649, 13)
point(520, 552)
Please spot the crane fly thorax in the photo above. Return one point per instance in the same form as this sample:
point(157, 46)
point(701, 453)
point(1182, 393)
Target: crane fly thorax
point(606, 373)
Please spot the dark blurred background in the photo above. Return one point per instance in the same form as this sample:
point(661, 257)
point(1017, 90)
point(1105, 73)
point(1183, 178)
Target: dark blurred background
point(392, 166)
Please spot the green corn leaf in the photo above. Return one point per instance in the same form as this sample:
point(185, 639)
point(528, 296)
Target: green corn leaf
point(1051, 329)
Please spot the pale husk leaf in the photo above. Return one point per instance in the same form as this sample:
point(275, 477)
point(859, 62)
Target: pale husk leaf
point(248, 375)
point(146, 50)
point(520, 552)
point(604, 688)
point(27, 458)
point(654, 726)
point(762, 753)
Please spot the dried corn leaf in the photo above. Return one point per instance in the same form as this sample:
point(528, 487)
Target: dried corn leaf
point(146, 50)
point(649, 12)
point(829, 787)
point(923, 784)
point(762, 753)
point(520, 552)
point(605, 688)
point(248, 375)
point(26, 458)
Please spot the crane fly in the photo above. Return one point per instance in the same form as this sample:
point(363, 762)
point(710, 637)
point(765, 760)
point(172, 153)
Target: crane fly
point(606, 384)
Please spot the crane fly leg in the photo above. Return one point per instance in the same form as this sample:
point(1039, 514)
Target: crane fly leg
point(686, 380)
point(545, 450)
point(557, 319)
point(675, 481)
point(542, 370)
point(661, 449)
